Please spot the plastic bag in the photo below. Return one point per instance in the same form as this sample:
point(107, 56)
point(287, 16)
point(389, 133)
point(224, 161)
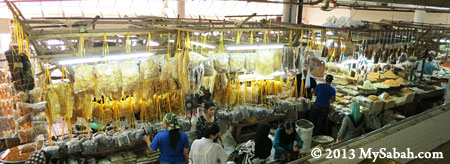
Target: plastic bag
point(90, 146)
point(237, 62)
point(74, 146)
point(250, 62)
point(26, 119)
point(288, 58)
point(221, 62)
point(51, 151)
point(26, 135)
point(40, 127)
point(21, 97)
point(277, 60)
point(108, 78)
point(7, 123)
point(84, 78)
point(35, 108)
point(314, 64)
point(130, 76)
point(209, 67)
point(27, 148)
point(149, 68)
point(265, 62)
point(52, 98)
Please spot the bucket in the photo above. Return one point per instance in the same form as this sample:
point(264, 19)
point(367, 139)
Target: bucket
point(305, 130)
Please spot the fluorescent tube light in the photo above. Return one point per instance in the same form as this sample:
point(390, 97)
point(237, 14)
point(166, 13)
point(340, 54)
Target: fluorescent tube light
point(255, 47)
point(203, 45)
point(197, 55)
point(260, 77)
point(104, 58)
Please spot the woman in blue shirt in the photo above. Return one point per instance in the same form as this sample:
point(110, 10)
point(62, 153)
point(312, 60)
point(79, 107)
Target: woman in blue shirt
point(172, 143)
point(283, 142)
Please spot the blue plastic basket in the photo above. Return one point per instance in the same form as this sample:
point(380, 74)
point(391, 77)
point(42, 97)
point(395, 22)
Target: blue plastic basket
point(8, 161)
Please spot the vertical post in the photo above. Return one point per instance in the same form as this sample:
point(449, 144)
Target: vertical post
point(181, 8)
point(419, 16)
point(300, 12)
point(423, 65)
point(286, 12)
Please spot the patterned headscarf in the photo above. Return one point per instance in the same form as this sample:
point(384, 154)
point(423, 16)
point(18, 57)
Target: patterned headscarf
point(171, 120)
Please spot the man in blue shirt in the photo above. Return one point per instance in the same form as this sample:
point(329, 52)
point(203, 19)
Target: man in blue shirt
point(318, 114)
point(429, 67)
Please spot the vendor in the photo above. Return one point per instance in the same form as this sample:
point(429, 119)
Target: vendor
point(204, 150)
point(309, 88)
point(172, 143)
point(325, 94)
point(429, 67)
point(283, 142)
point(256, 151)
point(352, 125)
point(209, 117)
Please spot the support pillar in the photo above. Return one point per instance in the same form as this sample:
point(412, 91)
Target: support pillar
point(419, 16)
point(181, 8)
point(286, 12)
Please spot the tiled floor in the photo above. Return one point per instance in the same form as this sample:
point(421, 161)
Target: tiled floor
point(445, 149)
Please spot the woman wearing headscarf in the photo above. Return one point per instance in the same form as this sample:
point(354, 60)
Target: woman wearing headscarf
point(256, 151)
point(285, 136)
point(172, 143)
point(352, 125)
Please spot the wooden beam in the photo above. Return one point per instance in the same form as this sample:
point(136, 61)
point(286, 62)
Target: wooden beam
point(437, 3)
point(96, 33)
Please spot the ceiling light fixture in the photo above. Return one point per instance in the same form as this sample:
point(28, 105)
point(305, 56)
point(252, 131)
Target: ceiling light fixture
point(104, 58)
point(255, 47)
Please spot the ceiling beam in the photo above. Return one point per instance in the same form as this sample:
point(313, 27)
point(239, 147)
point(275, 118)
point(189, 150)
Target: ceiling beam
point(436, 3)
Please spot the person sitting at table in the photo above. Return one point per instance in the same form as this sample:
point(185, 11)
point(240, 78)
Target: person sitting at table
point(352, 125)
point(283, 142)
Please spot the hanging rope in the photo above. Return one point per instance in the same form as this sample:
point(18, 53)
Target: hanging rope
point(168, 47)
point(278, 36)
point(81, 46)
point(265, 37)
point(238, 37)
point(290, 38)
point(105, 46)
point(149, 40)
point(251, 37)
point(221, 46)
point(128, 44)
